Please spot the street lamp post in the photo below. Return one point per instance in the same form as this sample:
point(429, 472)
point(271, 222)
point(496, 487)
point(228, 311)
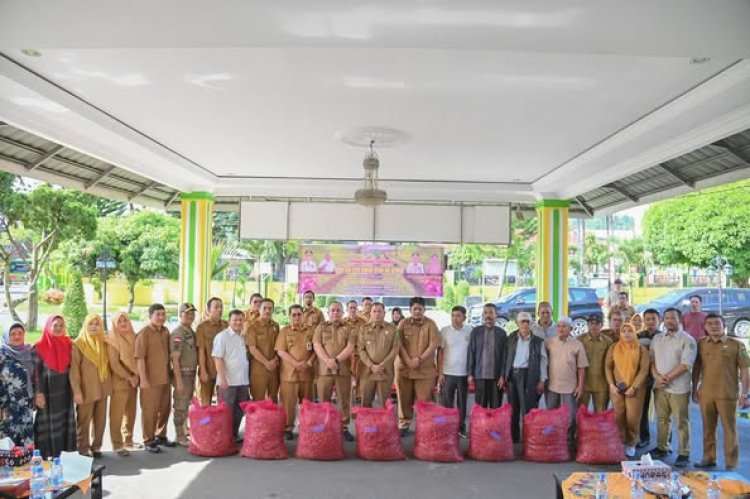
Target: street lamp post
point(105, 263)
point(720, 267)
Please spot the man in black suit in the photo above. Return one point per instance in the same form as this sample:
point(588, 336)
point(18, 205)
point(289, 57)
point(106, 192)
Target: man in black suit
point(486, 359)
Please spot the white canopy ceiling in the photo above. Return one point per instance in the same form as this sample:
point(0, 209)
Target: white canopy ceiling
point(501, 101)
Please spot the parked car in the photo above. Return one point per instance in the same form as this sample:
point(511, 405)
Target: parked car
point(582, 302)
point(735, 306)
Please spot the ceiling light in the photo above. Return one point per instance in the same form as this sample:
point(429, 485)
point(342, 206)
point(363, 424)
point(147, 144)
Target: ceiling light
point(31, 52)
point(370, 195)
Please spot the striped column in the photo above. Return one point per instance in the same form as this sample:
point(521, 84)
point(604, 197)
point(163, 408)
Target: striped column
point(552, 255)
point(195, 247)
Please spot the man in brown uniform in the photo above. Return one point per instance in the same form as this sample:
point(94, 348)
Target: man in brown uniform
point(334, 343)
point(295, 347)
point(184, 353)
point(595, 388)
point(721, 363)
point(378, 344)
point(366, 308)
point(261, 337)
point(624, 306)
point(417, 371)
point(205, 334)
point(616, 318)
point(312, 316)
point(253, 312)
point(355, 321)
point(152, 357)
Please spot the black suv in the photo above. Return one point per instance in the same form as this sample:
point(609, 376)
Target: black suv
point(582, 302)
point(735, 306)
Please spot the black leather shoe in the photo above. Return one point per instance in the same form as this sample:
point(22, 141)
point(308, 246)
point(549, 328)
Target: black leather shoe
point(163, 441)
point(152, 447)
point(681, 461)
point(404, 432)
point(348, 436)
point(658, 453)
point(705, 464)
point(288, 436)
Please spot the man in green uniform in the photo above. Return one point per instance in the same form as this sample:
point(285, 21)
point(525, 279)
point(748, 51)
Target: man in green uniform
point(184, 354)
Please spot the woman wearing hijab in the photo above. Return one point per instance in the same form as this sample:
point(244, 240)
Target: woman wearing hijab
point(626, 367)
point(121, 350)
point(637, 322)
point(55, 424)
point(90, 379)
point(17, 387)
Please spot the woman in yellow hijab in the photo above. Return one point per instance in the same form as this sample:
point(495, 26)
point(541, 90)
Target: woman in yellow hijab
point(121, 347)
point(626, 368)
point(90, 381)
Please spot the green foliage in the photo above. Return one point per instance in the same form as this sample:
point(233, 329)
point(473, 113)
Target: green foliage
point(74, 309)
point(474, 254)
point(632, 251)
point(693, 228)
point(596, 253)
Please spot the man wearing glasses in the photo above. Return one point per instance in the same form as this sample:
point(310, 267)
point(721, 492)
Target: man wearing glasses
point(525, 371)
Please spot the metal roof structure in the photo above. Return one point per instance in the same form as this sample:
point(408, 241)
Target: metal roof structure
point(29, 155)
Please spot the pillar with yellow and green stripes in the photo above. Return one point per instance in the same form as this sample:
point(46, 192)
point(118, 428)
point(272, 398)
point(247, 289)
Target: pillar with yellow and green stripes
point(195, 247)
point(552, 255)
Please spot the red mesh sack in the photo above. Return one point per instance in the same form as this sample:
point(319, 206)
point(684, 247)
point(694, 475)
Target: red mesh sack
point(598, 438)
point(545, 435)
point(378, 438)
point(490, 438)
point(264, 430)
point(320, 432)
point(436, 433)
point(210, 430)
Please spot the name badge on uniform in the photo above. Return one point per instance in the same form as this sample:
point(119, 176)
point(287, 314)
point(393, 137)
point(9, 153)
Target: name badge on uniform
point(309, 346)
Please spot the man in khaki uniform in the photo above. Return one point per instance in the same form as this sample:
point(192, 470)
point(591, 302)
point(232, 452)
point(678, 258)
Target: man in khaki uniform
point(366, 308)
point(184, 353)
point(295, 347)
point(624, 306)
point(672, 355)
point(261, 337)
point(378, 345)
point(312, 316)
point(152, 357)
point(334, 343)
point(721, 363)
point(615, 318)
point(596, 344)
point(355, 321)
point(253, 313)
point(205, 334)
point(417, 371)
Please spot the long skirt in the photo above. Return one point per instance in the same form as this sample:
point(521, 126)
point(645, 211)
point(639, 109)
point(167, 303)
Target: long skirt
point(55, 425)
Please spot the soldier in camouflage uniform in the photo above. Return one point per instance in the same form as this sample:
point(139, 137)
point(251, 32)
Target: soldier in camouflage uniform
point(184, 353)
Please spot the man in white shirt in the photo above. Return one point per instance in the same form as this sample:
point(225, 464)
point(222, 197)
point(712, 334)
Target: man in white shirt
point(452, 369)
point(232, 367)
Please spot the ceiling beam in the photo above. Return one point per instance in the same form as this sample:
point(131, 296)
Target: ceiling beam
point(100, 177)
point(622, 191)
point(677, 175)
point(171, 199)
point(734, 151)
point(45, 157)
point(144, 189)
point(582, 203)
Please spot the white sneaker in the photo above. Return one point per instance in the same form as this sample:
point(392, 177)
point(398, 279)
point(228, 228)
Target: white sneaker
point(629, 450)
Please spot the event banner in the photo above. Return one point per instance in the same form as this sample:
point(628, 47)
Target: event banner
point(371, 269)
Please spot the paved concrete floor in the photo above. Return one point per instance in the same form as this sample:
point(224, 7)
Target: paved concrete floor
point(176, 474)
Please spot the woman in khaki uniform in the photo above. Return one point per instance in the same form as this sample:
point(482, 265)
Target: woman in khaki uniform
point(626, 367)
point(90, 381)
point(121, 353)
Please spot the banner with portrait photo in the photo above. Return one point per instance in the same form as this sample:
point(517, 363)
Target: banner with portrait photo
point(371, 269)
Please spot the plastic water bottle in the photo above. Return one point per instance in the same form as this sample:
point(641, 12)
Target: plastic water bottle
point(713, 491)
point(56, 475)
point(601, 487)
point(38, 478)
point(676, 492)
point(36, 460)
point(636, 491)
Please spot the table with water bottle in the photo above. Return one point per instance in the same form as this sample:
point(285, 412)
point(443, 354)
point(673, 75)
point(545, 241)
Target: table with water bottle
point(40, 480)
point(617, 485)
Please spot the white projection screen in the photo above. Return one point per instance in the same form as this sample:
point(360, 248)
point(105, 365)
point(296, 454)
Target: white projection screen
point(412, 223)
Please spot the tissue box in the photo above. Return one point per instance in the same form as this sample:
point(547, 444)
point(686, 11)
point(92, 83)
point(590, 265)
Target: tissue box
point(656, 471)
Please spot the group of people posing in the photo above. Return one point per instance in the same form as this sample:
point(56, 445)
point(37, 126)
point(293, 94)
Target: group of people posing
point(54, 394)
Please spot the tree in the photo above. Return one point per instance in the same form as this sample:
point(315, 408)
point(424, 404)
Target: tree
point(595, 253)
point(74, 308)
point(694, 228)
point(10, 204)
point(145, 245)
point(632, 251)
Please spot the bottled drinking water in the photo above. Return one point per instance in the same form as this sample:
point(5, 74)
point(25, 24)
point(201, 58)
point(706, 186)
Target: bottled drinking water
point(38, 478)
point(636, 491)
point(676, 492)
point(713, 491)
point(601, 487)
point(36, 460)
point(56, 475)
